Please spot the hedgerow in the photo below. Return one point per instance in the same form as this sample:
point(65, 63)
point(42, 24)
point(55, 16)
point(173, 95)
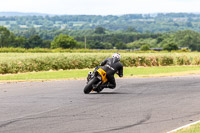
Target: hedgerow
point(29, 62)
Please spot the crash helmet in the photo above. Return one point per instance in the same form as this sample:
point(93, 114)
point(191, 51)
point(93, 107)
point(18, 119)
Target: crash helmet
point(116, 55)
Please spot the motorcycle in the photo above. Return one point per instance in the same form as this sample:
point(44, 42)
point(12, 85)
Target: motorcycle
point(95, 80)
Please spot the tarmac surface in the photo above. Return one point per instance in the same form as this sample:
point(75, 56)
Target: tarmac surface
point(136, 105)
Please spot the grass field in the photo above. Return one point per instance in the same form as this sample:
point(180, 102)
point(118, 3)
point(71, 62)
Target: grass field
point(191, 129)
point(82, 73)
point(64, 65)
point(19, 56)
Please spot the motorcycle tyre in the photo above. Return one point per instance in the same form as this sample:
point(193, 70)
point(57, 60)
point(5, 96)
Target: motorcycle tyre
point(88, 87)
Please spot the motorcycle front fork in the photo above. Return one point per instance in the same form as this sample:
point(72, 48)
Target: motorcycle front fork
point(89, 76)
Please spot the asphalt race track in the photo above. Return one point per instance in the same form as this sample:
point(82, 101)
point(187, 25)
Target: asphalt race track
point(137, 105)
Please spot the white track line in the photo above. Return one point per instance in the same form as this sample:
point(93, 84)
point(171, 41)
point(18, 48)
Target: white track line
point(184, 126)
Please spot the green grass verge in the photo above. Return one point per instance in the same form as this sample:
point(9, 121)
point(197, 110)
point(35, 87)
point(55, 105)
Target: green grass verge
point(191, 129)
point(82, 73)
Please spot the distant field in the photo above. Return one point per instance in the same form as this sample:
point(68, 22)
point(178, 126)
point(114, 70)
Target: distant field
point(28, 62)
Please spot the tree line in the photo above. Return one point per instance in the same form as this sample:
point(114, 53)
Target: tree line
point(101, 38)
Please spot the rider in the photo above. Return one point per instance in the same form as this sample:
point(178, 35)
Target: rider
point(112, 66)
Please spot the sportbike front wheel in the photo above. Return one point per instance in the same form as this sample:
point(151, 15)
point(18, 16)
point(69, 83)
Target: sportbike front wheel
point(88, 87)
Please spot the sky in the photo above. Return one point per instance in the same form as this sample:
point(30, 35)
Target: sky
point(100, 7)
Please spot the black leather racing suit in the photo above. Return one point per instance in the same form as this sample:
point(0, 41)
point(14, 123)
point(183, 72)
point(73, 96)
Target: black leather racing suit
point(111, 66)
